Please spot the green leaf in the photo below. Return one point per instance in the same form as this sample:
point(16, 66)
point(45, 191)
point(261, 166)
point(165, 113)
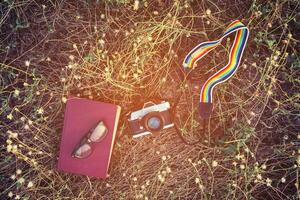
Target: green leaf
point(89, 58)
point(231, 149)
point(270, 43)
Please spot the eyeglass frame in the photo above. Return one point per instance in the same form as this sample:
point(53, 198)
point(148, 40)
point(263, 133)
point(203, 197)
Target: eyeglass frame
point(86, 140)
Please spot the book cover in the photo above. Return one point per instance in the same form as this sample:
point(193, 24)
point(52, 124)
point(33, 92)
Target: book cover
point(80, 116)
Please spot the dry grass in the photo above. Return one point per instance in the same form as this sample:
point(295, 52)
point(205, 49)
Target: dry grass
point(113, 53)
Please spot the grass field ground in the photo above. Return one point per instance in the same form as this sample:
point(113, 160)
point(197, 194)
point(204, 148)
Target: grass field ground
point(129, 52)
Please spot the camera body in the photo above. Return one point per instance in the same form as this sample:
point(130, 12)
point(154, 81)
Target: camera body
point(150, 119)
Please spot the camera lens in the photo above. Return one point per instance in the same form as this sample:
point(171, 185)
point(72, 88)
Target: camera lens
point(154, 123)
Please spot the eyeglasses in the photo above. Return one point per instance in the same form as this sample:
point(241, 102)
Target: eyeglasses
point(84, 148)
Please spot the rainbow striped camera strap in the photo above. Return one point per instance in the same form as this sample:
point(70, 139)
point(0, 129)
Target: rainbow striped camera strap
point(223, 74)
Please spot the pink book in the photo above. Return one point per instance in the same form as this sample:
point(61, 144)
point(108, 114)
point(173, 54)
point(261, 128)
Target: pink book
point(80, 116)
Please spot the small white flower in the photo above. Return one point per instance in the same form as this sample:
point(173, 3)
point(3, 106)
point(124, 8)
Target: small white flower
point(9, 148)
point(13, 135)
point(13, 177)
point(155, 12)
point(27, 63)
point(164, 158)
point(10, 116)
point(208, 11)
point(14, 148)
point(269, 25)
point(197, 180)
point(64, 99)
point(268, 181)
point(147, 182)
point(134, 179)
point(214, 163)
point(283, 180)
point(16, 92)
point(101, 41)
point(242, 166)
point(102, 16)
point(269, 92)
point(40, 111)
point(258, 13)
point(21, 180)
point(247, 149)
point(30, 184)
point(161, 178)
point(259, 177)
point(264, 166)
point(71, 57)
point(26, 127)
point(168, 169)
point(17, 197)
point(70, 66)
point(201, 187)
point(10, 194)
point(136, 5)
point(239, 156)
point(19, 171)
point(254, 64)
